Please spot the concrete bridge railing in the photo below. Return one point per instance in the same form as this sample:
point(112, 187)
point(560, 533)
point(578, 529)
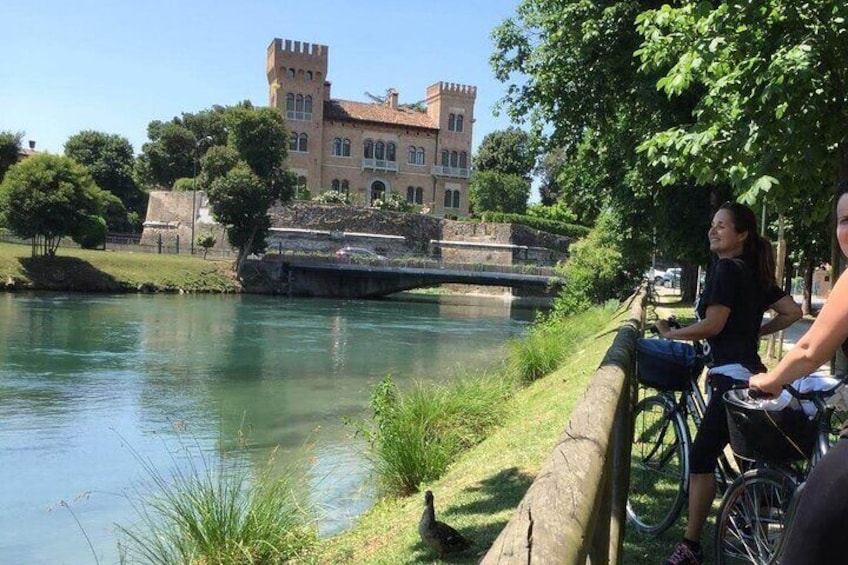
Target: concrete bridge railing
point(574, 511)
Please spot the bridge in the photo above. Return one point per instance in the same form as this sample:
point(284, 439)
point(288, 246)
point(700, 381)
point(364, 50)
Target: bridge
point(326, 278)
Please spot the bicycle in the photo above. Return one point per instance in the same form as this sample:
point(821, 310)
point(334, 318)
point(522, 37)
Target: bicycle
point(783, 446)
point(663, 425)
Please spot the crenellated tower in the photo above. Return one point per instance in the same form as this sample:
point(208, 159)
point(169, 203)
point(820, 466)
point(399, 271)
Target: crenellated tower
point(297, 80)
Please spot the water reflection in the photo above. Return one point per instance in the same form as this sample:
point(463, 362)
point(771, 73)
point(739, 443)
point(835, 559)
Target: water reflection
point(87, 380)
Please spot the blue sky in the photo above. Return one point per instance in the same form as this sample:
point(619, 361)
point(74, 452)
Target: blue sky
point(114, 66)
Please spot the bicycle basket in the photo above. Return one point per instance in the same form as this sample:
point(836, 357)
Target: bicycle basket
point(665, 364)
point(772, 436)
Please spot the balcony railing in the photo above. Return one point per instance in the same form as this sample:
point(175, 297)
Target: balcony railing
point(304, 116)
point(455, 172)
point(379, 165)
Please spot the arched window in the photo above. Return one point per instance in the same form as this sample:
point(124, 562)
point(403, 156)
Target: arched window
point(419, 195)
point(445, 158)
point(290, 102)
point(346, 148)
point(308, 75)
point(379, 150)
point(369, 149)
point(302, 142)
point(293, 142)
point(463, 160)
point(454, 159)
point(410, 156)
point(307, 105)
point(378, 191)
point(448, 198)
point(290, 73)
point(345, 188)
point(335, 185)
point(298, 106)
point(419, 157)
point(459, 122)
point(451, 122)
point(410, 194)
point(456, 199)
point(337, 146)
point(391, 152)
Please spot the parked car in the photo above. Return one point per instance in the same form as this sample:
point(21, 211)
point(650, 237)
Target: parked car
point(671, 278)
point(349, 252)
point(655, 275)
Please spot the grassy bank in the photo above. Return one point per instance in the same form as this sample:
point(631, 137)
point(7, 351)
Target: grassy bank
point(83, 270)
point(482, 486)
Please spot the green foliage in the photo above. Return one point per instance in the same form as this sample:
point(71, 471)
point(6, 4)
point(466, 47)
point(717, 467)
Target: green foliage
point(110, 160)
point(597, 269)
point(551, 340)
point(542, 224)
point(769, 81)
point(491, 191)
point(216, 163)
point(557, 212)
point(260, 137)
point(90, 232)
point(207, 242)
point(414, 436)
point(393, 203)
point(226, 514)
point(332, 197)
point(10, 149)
point(184, 185)
point(168, 156)
point(48, 196)
point(507, 152)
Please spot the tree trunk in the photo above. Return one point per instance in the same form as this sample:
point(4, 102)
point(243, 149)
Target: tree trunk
point(807, 304)
point(688, 282)
point(243, 253)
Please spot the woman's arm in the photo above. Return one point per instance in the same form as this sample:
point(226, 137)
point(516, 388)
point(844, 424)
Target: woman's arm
point(788, 312)
point(714, 320)
point(816, 347)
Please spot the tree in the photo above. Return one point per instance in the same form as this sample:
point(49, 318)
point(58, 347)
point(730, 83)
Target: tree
point(506, 151)
point(491, 191)
point(168, 156)
point(10, 150)
point(110, 160)
point(770, 80)
point(241, 196)
point(50, 197)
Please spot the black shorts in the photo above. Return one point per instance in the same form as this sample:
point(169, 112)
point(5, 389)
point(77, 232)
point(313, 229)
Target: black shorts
point(712, 436)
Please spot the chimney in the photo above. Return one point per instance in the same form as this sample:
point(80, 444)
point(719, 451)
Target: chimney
point(393, 99)
point(327, 85)
point(32, 144)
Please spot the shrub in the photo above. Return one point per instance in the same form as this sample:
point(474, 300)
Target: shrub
point(415, 436)
point(184, 185)
point(542, 224)
point(332, 197)
point(90, 233)
point(394, 203)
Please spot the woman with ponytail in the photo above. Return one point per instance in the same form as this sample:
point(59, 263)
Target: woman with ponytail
point(740, 288)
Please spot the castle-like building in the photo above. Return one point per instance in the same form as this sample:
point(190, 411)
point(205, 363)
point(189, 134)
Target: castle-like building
point(369, 151)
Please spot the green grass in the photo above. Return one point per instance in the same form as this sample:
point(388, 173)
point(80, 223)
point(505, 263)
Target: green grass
point(482, 486)
point(110, 271)
point(228, 513)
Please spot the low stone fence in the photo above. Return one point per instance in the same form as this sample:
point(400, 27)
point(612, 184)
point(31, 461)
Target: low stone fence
point(574, 511)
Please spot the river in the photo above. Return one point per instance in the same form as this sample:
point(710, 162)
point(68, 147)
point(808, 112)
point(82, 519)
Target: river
point(89, 383)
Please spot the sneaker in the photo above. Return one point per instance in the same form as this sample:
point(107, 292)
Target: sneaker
point(684, 555)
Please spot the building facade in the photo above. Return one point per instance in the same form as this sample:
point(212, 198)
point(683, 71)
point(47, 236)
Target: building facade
point(370, 151)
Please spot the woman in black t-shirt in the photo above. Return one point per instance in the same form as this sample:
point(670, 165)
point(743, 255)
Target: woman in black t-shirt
point(730, 311)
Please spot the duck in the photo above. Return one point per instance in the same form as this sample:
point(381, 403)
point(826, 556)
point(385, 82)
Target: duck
point(438, 536)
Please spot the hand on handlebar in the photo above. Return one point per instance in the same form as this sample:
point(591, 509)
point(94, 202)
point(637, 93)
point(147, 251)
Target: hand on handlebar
point(763, 386)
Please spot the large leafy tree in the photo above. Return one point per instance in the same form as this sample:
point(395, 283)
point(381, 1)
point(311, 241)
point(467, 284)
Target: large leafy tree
point(10, 150)
point(109, 158)
point(491, 191)
point(507, 152)
point(50, 197)
point(241, 191)
point(168, 156)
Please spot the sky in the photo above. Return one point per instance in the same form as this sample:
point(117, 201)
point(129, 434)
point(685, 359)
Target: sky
point(114, 66)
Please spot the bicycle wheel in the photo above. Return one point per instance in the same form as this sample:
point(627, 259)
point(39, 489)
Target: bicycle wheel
point(659, 465)
point(752, 517)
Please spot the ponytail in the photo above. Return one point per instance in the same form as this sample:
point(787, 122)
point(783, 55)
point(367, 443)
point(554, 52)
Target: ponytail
point(757, 252)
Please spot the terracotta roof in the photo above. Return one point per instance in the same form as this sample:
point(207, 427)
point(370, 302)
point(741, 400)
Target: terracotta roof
point(360, 111)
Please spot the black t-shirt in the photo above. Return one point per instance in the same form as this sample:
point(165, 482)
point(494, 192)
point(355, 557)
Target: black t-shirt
point(733, 284)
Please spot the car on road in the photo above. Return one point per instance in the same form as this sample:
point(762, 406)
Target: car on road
point(350, 252)
point(655, 275)
point(671, 277)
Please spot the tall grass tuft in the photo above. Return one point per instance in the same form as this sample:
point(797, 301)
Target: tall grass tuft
point(416, 435)
point(552, 340)
point(223, 514)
